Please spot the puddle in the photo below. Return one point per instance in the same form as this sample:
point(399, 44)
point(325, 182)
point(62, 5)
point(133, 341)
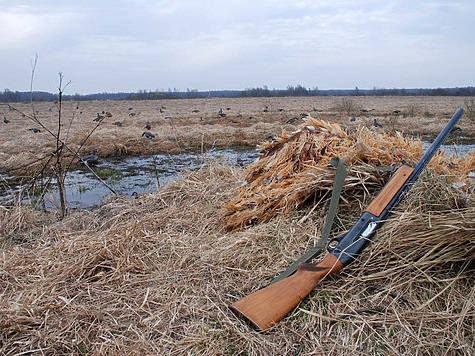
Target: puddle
point(452, 150)
point(141, 174)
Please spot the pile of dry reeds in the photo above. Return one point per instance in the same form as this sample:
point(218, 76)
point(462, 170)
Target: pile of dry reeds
point(149, 276)
point(296, 167)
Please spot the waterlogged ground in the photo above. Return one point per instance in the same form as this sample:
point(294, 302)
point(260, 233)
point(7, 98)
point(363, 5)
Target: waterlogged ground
point(201, 124)
point(143, 174)
point(133, 175)
point(453, 150)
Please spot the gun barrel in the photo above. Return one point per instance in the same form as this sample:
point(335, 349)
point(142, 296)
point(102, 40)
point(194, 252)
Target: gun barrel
point(269, 305)
point(419, 167)
point(434, 147)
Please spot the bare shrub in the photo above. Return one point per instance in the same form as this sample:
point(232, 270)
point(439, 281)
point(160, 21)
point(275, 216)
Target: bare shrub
point(348, 106)
point(58, 162)
point(469, 106)
point(411, 110)
point(428, 114)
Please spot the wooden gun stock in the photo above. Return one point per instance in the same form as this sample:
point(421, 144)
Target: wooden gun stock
point(269, 305)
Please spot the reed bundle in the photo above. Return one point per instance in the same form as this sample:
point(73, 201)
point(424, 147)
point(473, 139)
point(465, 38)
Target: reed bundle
point(147, 276)
point(296, 167)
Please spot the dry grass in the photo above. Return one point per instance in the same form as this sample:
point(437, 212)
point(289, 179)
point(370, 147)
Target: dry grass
point(348, 106)
point(149, 276)
point(178, 128)
point(156, 275)
point(469, 106)
point(296, 168)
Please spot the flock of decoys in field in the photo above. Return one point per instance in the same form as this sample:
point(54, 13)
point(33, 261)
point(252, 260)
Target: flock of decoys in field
point(221, 113)
point(93, 159)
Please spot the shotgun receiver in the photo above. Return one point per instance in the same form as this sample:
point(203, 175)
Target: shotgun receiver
point(269, 305)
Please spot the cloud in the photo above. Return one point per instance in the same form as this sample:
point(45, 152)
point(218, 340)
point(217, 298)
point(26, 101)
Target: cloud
point(238, 43)
point(23, 26)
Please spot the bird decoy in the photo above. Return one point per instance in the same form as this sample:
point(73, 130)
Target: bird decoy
point(280, 109)
point(118, 123)
point(148, 135)
point(90, 159)
point(34, 130)
point(148, 126)
point(271, 138)
point(303, 115)
point(5, 120)
point(228, 108)
point(108, 114)
point(161, 111)
point(195, 110)
point(376, 124)
point(396, 112)
point(99, 118)
point(352, 119)
point(292, 120)
point(132, 114)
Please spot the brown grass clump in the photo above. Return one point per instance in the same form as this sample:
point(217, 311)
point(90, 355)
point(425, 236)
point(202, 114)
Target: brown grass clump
point(156, 275)
point(296, 167)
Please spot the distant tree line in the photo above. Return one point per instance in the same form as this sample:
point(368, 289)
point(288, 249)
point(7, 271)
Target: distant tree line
point(8, 96)
point(302, 91)
point(298, 90)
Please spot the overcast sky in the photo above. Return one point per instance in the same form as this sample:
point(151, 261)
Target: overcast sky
point(113, 45)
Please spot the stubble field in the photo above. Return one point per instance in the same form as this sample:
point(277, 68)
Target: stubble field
point(196, 124)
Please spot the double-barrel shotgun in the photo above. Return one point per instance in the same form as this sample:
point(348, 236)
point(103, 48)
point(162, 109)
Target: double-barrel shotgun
point(266, 307)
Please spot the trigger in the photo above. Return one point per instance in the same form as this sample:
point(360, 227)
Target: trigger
point(334, 243)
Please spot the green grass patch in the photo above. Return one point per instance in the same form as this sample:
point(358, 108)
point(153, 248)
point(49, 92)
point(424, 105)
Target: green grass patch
point(83, 188)
point(110, 174)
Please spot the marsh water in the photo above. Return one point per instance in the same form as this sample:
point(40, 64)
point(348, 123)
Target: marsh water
point(139, 175)
point(130, 176)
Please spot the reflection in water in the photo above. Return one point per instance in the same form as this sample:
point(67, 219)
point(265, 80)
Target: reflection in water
point(452, 150)
point(141, 174)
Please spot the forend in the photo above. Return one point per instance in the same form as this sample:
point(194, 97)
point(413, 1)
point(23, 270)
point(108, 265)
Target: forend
point(347, 247)
point(269, 305)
